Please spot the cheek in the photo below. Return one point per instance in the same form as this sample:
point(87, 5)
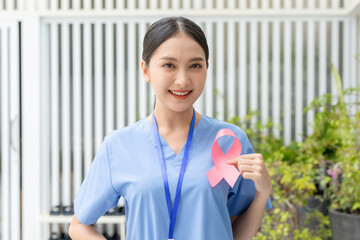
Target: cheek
point(200, 77)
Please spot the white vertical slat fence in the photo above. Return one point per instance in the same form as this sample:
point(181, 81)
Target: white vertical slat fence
point(5, 134)
point(10, 130)
point(120, 74)
point(310, 71)
point(298, 88)
point(88, 103)
point(109, 63)
point(243, 72)
point(55, 115)
point(276, 77)
point(131, 72)
point(220, 80)
point(323, 58)
point(264, 73)
point(133, 103)
point(46, 123)
point(253, 73)
point(15, 130)
point(209, 87)
point(98, 55)
point(355, 81)
point(334, 52)
point(231, 69)
point(163, 4)
point(32, 138)
point(346, 56)
point(287, 81)
point(65, 115)
point(68, 5)
point(92, 83)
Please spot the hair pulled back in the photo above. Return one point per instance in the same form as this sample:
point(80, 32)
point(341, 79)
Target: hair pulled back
point(167, 27)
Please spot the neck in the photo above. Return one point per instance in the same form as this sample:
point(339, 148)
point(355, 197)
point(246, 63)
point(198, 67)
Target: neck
point(167, 119)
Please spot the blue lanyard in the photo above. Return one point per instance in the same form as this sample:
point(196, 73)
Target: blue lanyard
point(172, 215)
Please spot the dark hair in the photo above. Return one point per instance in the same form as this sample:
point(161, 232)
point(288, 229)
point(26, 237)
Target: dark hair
point(167, 27)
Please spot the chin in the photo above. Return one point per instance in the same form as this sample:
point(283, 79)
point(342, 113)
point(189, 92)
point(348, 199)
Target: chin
point(180, 109)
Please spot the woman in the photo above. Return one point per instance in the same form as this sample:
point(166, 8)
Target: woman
point(160, 163)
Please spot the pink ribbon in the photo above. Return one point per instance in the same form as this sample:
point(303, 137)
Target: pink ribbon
point(221, 169)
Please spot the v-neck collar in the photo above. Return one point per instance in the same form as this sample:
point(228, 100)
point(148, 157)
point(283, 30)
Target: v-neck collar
point(168, 152)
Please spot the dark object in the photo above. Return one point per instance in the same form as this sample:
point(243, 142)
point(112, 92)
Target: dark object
point(117, 211)
point(106, 236)
point(67, 210)
point(55, 210)
point(344, 226)
point(110, 212)
point(62, 236)
point(65, 237)
point(314, 203)
point(121, 210)
point(54, 236)
point(116, 236)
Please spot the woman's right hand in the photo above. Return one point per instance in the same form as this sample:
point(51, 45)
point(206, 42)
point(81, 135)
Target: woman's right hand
point(79, 231)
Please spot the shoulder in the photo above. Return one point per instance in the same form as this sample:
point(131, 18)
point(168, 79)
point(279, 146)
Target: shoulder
point(123, 135)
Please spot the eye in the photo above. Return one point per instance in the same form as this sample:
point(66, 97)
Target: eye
point(168, 65)
point(196, 65)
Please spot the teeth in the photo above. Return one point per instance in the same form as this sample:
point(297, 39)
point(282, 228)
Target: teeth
point(179, 93)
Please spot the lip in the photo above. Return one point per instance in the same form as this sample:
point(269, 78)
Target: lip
point(180, 97)
point(174, 90)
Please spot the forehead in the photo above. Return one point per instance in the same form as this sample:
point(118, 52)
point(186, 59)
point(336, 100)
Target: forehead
point(181, 45)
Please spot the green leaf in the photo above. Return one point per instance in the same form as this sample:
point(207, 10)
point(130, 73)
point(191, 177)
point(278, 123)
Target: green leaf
point(356, 206)
point(338, 83)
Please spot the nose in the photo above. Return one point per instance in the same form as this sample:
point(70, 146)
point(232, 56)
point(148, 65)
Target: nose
point(182, 78)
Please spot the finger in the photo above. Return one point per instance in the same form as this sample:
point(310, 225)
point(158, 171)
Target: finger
point(236, 162)
point(249, 161)
point(246, 168)
point(245, 161)
point(250, 175)
point(253, 161)
point(251, 168)
point(249, 156)
point(252, 155)
point(232, 161)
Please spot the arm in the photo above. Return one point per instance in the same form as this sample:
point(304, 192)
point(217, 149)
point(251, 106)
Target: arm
point(79, 231)
point(246, 225)
point(252, 166)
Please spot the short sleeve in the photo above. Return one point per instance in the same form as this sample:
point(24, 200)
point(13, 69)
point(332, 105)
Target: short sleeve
point(242, 194)
point(96, 194)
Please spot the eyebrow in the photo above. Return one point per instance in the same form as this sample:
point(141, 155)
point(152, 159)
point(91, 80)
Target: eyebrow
point(174, 59)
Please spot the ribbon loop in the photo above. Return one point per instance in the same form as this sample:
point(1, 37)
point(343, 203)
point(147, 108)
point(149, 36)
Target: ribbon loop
point(221, 169)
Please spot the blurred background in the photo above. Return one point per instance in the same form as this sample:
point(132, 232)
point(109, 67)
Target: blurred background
point(70, 74)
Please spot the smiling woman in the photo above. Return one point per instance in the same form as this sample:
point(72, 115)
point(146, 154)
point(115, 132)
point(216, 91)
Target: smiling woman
point(176, 46)
point(177, 71)
point(160, 163)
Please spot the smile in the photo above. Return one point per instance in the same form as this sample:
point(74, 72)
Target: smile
point(180, 93)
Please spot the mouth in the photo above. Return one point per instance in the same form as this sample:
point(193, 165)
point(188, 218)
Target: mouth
point(180, 93)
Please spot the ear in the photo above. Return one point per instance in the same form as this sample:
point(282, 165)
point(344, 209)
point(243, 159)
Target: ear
point(145, 71)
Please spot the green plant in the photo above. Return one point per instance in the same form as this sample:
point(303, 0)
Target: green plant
point(342, 181)
point(292, 173)
point(325, 166)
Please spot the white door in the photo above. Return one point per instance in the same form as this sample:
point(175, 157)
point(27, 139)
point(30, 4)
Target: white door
point(10, 189)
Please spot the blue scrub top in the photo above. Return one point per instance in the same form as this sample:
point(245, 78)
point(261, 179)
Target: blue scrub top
point(127, 165)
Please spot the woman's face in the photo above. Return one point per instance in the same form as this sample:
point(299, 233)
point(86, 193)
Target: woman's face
point(177, 72)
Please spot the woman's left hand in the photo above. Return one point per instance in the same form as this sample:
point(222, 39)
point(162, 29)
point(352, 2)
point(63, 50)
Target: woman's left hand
point(252, 166)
